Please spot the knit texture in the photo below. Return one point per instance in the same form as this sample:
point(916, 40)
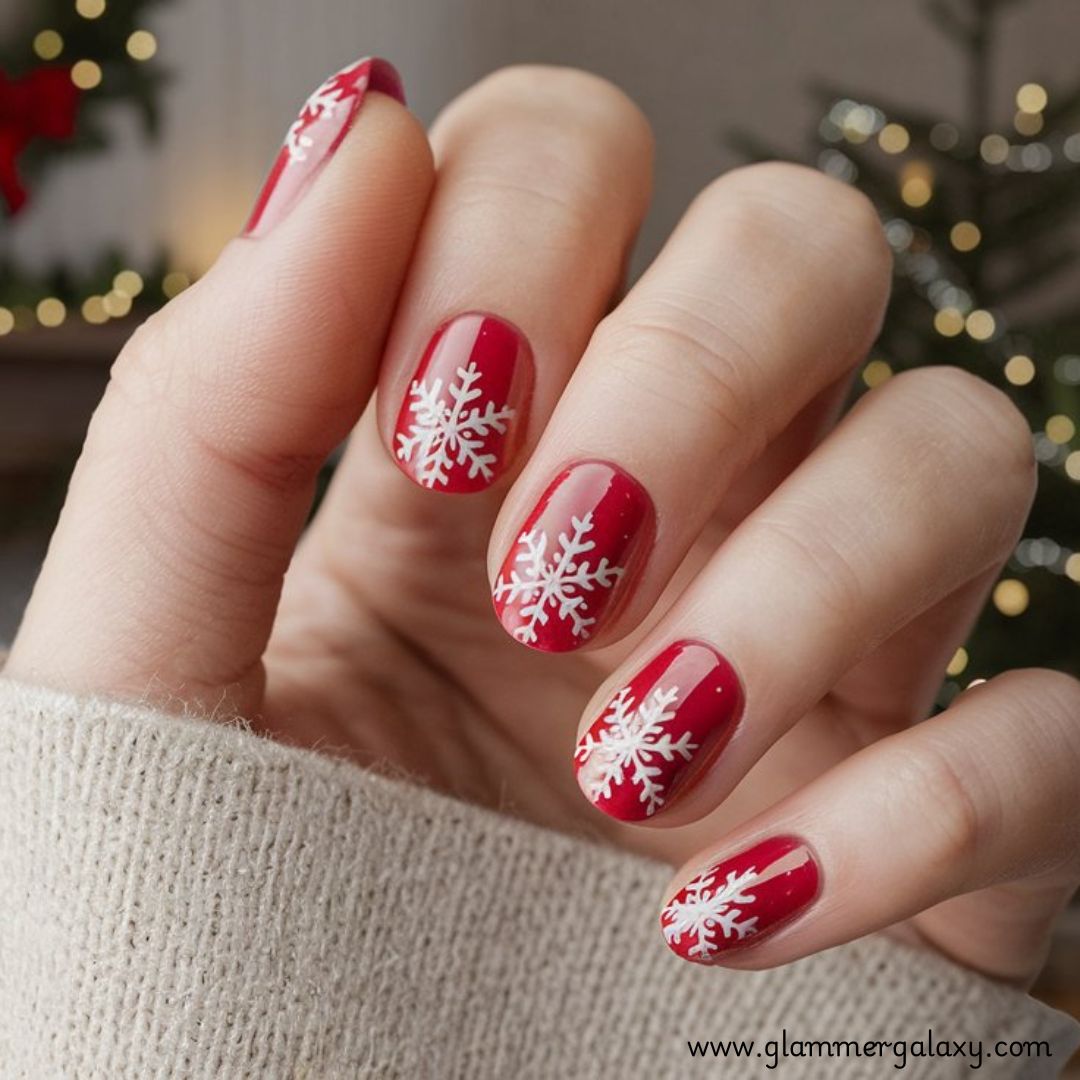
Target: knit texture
point(184, 899)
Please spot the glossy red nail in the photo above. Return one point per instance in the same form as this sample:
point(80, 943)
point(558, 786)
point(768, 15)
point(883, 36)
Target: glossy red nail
point(463, 419)
point(659, 732)
point(578, 552)
point(738, 901)
point(317, 132)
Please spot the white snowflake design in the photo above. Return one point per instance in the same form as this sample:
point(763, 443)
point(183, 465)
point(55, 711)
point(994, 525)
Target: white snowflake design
point(630, 745)
point(447, 433)
point(559, 582)
point(707, 907)
point(324, 102)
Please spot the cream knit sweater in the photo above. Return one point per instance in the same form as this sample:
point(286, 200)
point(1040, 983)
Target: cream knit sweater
point(184, 899)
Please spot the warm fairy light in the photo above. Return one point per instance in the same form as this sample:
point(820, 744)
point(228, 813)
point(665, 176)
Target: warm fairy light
point(1072, 567)
point(894, 138)
point(51, 312)
point(949, 322)
point(48, 45)
point(994, 149)
point(1028, 123)
point(1031, 98)
point(876, 372)
point(93, 310)
point(7, 321)
point(965, 236)
point(86, 74)
point(116, 304)
point(958, 662)
point(980, 325)
point(1011, 597)
point(1060, 429)
point(1019, 369)
point(1072, 466)
point(859, 123)
point(141, 45)
point(128, 282)
point(174, 283)
point(90, 9)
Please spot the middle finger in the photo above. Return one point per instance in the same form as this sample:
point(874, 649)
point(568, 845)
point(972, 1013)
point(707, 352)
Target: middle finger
point(771, 288)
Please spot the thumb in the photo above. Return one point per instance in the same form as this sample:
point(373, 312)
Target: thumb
point(199, 466)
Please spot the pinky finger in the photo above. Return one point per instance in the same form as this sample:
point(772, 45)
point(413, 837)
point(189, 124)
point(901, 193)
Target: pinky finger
point(980, 795)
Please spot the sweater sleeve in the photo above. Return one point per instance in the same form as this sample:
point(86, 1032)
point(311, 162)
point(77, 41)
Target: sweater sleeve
point(185, 899)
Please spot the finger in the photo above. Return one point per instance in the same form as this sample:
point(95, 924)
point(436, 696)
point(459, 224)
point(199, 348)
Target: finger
point(199, 465)
point(770, 289)
point(981, 794)
point(835, 562)
point(543, 175)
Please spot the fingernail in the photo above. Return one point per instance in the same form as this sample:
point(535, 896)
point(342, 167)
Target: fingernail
point(741, 900)
point(577, 554)
point(317, 132)
point(462, 421)
point(659, 732)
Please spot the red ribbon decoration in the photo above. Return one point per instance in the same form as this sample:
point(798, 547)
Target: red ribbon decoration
point(42, 104)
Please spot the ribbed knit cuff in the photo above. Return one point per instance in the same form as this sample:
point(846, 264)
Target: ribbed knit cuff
point(184, 899)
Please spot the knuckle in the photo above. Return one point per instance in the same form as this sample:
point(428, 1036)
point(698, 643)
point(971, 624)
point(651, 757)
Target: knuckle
point(667, 348)
point(572, 129)
point(968, 411)
point(805, 544)
point(957, 821)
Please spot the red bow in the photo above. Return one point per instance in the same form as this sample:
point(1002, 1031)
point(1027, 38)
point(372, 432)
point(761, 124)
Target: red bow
point(41, 104)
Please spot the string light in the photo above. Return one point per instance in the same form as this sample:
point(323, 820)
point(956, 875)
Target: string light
point(1067, 369)
point(916, 183)
point(117, 304)
point(1031, 98)
point(1011, 597)
point(1072, 466)
point(1028, 123)
point(7, 321)
point(174, 283)
point(90, 9)
point(141, 45)
point(51, 312)
point(994, 149)
point(944, 137)
point(980, 325)
point(1019, 369)
point(965, 236)
point(1072, 567)
point(93, 310)
point(1060, 429)
point(958, 663)
point(128, 282)
point(876, 372)
point(86, 74)
point(48, 45)
point(894, 138)
point(949, 322)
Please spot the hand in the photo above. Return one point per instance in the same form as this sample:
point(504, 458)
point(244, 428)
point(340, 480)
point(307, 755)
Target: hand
point(756, 603)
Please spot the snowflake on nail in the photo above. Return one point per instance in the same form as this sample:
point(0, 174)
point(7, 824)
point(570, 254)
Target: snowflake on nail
point(557, 585)
point(628, 745)
point(323, 103)
point(448, 431)
point(707, 908)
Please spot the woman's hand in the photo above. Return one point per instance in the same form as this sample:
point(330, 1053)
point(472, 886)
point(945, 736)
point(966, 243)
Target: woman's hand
point(757, 605)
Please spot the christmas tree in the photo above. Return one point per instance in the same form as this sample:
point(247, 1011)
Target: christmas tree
point(978, 213)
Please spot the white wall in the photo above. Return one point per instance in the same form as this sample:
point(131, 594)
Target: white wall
point(697, 66)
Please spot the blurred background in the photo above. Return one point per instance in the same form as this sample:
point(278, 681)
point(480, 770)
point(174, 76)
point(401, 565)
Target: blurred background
point(135, 133)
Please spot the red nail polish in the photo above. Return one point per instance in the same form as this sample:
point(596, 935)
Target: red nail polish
point(741, 900)
point(463, 418)
point(317, 132)
point(659, 732)
point(579, 550)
